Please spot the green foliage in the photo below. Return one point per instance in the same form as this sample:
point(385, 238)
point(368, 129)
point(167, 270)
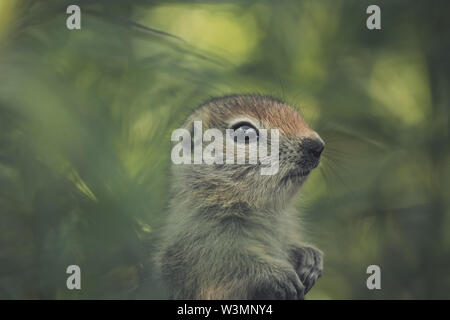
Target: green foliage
point(86, 117)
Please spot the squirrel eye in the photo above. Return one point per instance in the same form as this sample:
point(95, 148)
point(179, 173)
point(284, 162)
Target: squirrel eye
point(245, 128)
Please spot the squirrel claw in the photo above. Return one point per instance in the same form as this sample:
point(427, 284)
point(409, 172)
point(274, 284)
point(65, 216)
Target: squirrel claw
point(309, 266)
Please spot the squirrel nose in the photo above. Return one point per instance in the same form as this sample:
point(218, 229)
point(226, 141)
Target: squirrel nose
point(312, 148)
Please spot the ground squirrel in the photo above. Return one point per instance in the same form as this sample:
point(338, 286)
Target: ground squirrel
point(231, 232)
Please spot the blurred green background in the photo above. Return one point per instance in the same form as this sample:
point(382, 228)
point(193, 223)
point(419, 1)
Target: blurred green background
point(86, 117)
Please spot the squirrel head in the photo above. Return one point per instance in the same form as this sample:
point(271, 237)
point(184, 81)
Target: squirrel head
point(230, 185)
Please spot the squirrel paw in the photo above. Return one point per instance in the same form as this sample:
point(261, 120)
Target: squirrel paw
point(283, 286)
point(309, 266)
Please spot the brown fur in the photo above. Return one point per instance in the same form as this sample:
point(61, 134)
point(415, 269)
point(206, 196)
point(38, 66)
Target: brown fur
point(232, 233)
point(272, 113)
